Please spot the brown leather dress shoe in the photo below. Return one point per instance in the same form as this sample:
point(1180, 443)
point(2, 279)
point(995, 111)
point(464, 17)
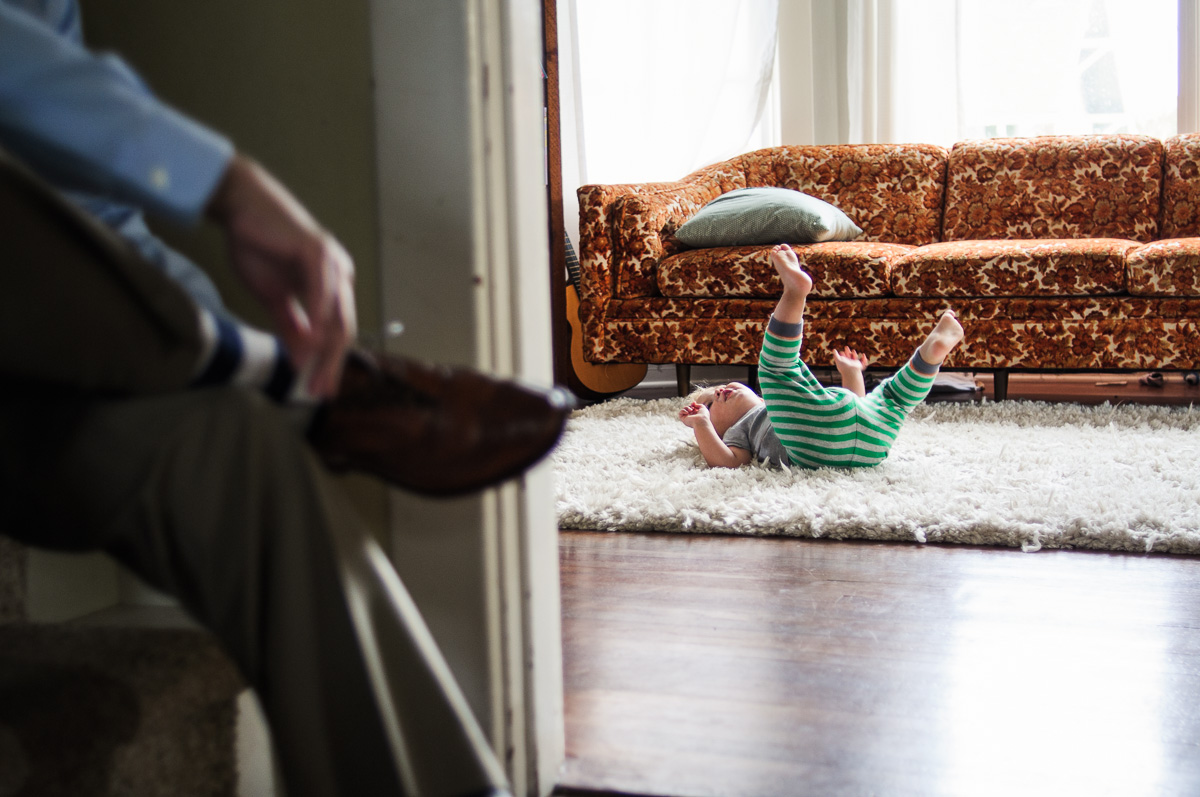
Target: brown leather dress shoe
point(435, 430)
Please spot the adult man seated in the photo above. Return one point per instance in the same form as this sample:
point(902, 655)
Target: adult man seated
point(140, 417)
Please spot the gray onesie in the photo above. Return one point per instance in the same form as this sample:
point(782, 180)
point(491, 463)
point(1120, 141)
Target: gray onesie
point(753, 432)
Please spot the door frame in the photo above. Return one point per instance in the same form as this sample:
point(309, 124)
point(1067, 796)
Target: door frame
point(464, 265)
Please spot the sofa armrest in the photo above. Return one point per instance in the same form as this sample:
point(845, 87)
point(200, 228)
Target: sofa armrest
point(643, 235)
point(596, 208)
point(625, 230)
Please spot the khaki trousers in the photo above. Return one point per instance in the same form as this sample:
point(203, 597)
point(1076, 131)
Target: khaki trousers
point(214, 497)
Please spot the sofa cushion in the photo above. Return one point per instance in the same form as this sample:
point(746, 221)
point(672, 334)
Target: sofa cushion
point(844, 269)
point(1181, 187)
point(1104, 332)
point(1089, 267)
point(893, 192)
point(766, 215)
point(1105, 186)
point(1165, 268)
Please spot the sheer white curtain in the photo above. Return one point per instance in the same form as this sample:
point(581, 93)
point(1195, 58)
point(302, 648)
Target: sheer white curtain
point(654, 89)
point(940, 71)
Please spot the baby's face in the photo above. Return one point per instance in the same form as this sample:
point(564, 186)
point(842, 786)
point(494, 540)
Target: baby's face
point(728, 403)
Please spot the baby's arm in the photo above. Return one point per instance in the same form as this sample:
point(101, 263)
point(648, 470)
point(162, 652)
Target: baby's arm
point(850, 365)
point(716, 454)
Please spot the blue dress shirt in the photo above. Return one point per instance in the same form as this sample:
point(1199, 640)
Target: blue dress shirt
point(87, 121)
point(88, 124)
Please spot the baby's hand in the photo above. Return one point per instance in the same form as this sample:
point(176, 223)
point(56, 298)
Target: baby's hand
point(693, 415)
point(849, 358)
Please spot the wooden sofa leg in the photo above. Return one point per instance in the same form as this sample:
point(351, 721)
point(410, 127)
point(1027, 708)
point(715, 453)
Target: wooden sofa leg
point(1000, 384)
point(683, 379)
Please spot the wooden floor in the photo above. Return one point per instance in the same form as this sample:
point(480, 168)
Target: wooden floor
point(737, 666)
point(702, 665)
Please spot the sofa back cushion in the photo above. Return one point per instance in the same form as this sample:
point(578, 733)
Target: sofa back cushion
point(1012, 268)
point(893, 192)
point(1103, 186)
point(838, 268)
point(1181, 187)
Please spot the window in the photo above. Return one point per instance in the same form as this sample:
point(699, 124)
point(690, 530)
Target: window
point(977, 68)
point(1094, 66)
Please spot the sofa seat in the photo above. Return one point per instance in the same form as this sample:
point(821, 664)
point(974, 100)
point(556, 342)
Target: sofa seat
point(1165, 268)
point(852, 269)
point(1072, 333)
point(1048, 267)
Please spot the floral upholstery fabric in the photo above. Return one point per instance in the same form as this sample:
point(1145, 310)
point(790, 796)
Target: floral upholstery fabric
point(1050, 252)
point(1181, 187)
point(1054, 187)
point(826, 307)
point(850, 269)
point(1165, 268)
point(1086, 267)
point(1067, 334)
point(597, 207)
point(893, 191)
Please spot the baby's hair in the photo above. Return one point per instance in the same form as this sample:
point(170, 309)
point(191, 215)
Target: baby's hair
point(695, 394)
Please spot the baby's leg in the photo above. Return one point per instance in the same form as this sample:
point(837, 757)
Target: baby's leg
point(789, 312)
point(911, 384)
point(942, 340)
point(886, 407)
point(814, 424)
point(811, 421)
point(780, 369)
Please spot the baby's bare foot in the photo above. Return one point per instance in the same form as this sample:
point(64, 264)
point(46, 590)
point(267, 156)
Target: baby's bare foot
point(795, 279)
point(942, 340)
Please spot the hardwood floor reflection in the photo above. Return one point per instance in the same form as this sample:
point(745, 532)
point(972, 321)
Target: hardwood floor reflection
point(728, 666)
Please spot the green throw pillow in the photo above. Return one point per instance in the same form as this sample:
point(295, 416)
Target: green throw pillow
point(759, 216)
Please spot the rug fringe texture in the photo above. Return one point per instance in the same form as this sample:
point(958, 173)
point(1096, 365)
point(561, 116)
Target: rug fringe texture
point(1021, 474)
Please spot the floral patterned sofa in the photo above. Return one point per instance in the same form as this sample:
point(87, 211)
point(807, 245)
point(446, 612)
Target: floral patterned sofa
point(1058, 253)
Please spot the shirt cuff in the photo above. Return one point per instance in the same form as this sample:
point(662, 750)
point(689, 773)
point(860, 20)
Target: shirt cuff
point(172, 164)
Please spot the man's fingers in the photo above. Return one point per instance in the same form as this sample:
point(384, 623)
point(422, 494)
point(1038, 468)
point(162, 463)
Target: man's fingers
point(328, 298)
point(300, 273)
point(322, 279)
point(293, 326)
point(326, 373)
point(341, 327)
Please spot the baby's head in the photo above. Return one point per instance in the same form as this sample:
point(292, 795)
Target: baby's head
point(726, 403)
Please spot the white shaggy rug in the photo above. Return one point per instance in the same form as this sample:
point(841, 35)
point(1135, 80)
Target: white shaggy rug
point(1027, 474)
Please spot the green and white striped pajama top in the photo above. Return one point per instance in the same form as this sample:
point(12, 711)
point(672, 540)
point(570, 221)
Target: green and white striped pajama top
point(830, 426)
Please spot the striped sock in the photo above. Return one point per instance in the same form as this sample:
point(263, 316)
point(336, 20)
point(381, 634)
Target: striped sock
point(239, 355)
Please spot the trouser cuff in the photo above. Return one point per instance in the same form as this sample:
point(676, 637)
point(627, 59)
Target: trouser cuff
point(783, 329)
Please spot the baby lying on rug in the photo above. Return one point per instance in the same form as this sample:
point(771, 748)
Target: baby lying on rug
point(800, 422)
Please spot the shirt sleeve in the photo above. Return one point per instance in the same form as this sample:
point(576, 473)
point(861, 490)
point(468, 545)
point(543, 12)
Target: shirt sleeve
point(88, 122)
point(738, 435)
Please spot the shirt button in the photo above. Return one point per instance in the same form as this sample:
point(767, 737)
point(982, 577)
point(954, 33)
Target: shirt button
point(160, 178)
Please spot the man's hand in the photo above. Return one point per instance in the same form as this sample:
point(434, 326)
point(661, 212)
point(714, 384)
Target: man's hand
point(297, 270)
